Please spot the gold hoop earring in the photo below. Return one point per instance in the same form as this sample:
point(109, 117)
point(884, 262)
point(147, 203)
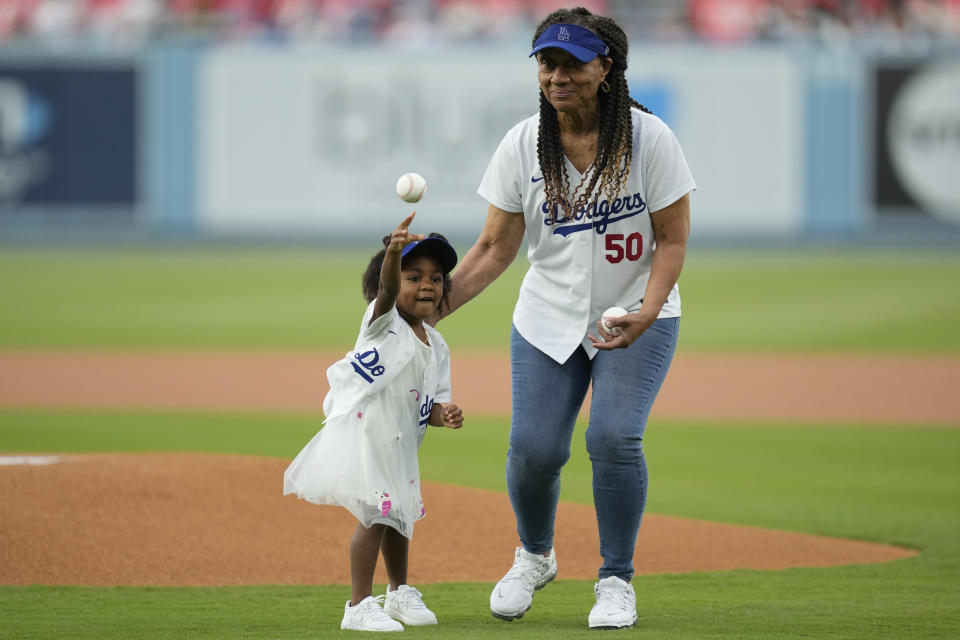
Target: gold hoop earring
point(604, 86)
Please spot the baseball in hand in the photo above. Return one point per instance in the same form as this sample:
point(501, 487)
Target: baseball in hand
point(411, 187)
point(612, 312)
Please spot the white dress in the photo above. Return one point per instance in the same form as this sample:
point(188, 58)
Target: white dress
point(381, 394)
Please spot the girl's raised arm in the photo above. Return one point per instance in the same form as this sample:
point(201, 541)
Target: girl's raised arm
point(390, 271)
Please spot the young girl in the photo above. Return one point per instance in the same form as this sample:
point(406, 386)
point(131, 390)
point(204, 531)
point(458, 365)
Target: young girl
point(383, 394)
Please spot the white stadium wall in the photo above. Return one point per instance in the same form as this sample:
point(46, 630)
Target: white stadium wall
point(314, 142)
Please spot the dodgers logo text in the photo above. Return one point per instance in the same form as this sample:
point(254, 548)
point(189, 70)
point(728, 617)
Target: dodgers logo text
point(599, 214)
point(367, 366)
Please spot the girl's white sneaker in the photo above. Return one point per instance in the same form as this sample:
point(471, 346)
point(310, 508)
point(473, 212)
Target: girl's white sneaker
point(406, 605)
point(367, 615)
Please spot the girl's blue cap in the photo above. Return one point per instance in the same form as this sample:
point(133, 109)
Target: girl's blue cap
point(437, 248)
point(578, 41)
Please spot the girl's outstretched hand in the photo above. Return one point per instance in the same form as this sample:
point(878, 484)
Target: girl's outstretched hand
point(401, 236)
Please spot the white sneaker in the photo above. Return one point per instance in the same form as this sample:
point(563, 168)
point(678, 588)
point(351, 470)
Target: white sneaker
point(616, 606)
point(406, 605)
point(367, 615)
point(513, 595)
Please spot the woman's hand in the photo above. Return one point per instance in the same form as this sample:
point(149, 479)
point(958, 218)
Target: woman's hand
point(671, 228)
point(632, 326)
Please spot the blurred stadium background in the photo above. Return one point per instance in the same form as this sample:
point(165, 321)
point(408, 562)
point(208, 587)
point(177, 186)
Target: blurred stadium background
point(212, 120)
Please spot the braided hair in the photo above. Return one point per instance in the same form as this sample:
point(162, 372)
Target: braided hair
point(611, 167)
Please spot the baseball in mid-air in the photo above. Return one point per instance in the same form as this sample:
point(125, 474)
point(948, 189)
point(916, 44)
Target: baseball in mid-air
point(411, 187)
point(612, 312)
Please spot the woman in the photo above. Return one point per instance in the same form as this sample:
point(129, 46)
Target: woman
point(600, 188)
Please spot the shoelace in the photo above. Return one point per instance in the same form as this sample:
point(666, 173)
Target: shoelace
point(411, 598)
point(618, 595)
point(372, 606)
point(526, 571)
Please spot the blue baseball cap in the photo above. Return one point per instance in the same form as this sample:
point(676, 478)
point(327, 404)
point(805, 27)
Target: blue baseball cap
point(578, 41)
point(437, 248)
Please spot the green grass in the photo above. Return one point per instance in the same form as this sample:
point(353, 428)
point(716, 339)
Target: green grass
point(800, 603)
point(178, 297)
point(119, 431)
point(298, 298)
point(831, 301)
point(897, 485)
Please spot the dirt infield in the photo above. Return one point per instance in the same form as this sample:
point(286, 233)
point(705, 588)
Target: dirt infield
point(204, 520)
point(216, 520)
point(897, 389)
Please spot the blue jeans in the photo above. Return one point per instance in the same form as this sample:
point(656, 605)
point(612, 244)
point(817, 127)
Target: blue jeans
point(546, 400)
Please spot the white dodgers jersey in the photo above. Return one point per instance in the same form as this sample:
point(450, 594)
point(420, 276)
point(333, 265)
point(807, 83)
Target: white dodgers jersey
point(601, 257)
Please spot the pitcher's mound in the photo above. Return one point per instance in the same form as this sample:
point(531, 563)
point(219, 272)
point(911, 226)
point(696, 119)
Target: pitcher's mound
point(204, 520)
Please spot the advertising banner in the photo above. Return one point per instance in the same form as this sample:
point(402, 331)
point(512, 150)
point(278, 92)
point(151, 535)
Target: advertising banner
point(916, 166)
point(317, 143)
point(67, 137)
